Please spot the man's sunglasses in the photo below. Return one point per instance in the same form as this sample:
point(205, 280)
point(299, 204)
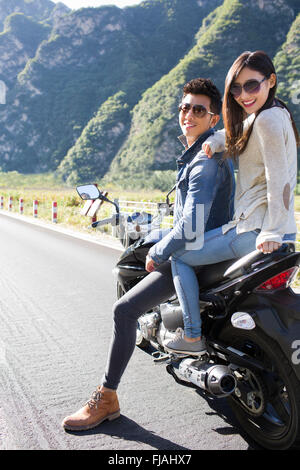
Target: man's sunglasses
point(198, 109)
point(251, 86)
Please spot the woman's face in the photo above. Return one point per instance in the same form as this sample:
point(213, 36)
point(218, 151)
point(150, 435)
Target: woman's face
point(252, 102)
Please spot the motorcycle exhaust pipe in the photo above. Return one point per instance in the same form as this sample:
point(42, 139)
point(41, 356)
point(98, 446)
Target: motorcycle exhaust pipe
point(216, 379)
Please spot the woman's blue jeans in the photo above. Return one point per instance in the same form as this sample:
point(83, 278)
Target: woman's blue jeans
point(217, 247)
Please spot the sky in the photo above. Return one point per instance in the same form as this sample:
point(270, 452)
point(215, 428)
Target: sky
point(74, 4)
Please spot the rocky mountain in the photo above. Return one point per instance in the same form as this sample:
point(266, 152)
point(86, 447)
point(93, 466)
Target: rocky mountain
point(287, 63)
point(18, 43)
point(226, 33)
point(93, 93)
point(39, 10)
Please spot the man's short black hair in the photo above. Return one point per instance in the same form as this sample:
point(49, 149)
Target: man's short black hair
point(204, 86)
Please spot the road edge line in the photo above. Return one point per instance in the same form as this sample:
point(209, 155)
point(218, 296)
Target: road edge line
point(64, 231)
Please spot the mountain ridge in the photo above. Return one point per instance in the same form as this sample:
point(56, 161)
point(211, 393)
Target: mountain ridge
point(93, 93)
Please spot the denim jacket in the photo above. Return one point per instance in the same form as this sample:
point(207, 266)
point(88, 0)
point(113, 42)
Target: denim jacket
point(204, 198)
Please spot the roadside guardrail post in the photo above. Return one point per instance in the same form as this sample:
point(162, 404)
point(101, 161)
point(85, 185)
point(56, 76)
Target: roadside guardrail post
point(35, 208)
point(21, 205)
point(54, 212)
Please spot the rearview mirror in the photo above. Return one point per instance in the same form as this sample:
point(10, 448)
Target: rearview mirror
point(164, 208)
point(88, 191)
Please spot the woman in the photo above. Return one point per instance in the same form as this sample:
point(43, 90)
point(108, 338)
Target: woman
point(265, 147)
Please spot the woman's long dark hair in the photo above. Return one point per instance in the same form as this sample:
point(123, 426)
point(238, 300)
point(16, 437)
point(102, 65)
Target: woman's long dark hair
point(233, 113)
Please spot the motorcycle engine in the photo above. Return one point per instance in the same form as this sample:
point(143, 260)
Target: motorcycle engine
point(149, 324)
point(153, 329)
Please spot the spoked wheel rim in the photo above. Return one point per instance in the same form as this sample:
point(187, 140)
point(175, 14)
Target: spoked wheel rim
point(265, 402)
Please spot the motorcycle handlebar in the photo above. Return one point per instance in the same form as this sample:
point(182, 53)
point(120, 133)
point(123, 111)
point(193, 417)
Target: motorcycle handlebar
point(113, 220)
point(164, 209)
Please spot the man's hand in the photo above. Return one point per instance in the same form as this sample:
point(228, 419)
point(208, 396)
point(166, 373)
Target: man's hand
point(150, 265)
point(268, 247)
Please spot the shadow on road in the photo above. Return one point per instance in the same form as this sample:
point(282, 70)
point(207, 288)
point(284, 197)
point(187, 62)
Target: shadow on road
point(221, 408)
point(128, 430)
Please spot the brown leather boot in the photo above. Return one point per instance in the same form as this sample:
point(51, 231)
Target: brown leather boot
point(101, 406)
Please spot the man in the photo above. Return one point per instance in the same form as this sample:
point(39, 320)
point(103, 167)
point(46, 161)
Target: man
point(201, 182)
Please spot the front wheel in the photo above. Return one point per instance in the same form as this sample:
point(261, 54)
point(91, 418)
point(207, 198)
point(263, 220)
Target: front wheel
point(266, 404)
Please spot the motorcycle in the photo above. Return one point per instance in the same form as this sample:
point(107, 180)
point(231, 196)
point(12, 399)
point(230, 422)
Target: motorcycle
point(251, 321)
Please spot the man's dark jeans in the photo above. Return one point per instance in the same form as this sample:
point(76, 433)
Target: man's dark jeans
point(155, 288)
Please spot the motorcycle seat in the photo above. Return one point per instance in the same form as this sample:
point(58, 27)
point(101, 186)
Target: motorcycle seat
point(212, 274)
point(249, 262)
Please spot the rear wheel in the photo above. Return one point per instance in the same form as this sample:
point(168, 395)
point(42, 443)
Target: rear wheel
point(266, 404)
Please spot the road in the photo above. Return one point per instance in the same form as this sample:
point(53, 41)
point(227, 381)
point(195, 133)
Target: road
point(56, 295)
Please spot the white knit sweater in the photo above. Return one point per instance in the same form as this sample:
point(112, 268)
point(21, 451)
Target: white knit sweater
point(266, 178)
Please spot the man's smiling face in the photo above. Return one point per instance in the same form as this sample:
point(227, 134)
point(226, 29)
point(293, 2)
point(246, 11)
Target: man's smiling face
point(193, 126)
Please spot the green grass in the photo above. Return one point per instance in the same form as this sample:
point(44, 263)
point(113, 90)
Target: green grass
point(13, 179)
point(47, 188)
point(69, 204)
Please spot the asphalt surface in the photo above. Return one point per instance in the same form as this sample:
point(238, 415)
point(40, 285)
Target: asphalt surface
point(56, 295)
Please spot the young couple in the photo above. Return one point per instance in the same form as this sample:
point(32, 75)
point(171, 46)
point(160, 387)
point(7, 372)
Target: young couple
point(261, 135)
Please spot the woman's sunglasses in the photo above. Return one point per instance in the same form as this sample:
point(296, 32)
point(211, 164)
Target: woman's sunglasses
point(198, 109)
point(251, 86)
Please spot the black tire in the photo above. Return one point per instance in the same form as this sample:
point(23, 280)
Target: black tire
point(120, 290)
point(141, 342)
point(271, 413)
